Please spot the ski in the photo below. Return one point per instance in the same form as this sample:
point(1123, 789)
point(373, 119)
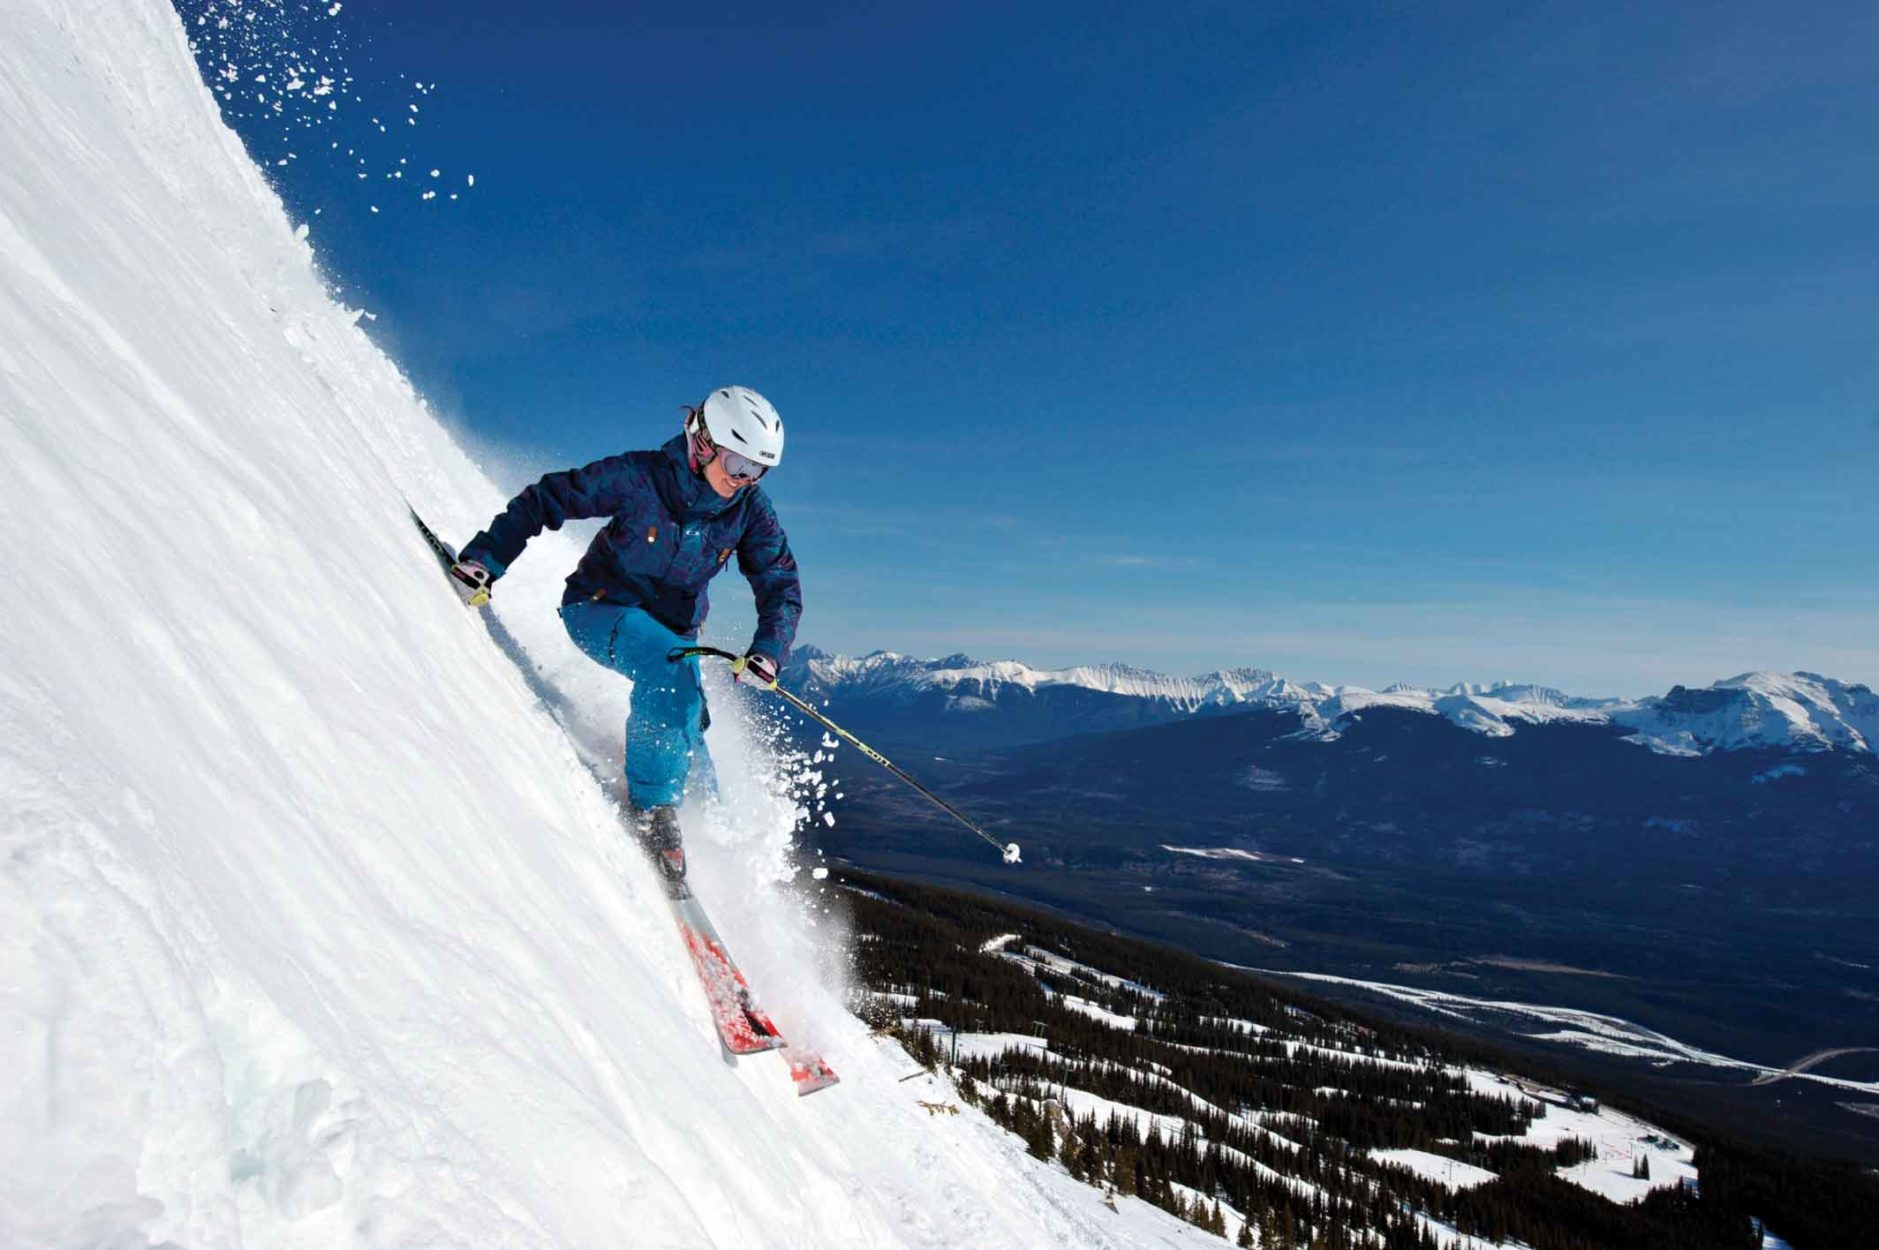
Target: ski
point(809, 1070)
point(744, 1028)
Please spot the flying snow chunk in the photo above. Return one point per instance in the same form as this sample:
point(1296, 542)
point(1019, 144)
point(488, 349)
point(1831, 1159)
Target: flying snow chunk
point(1011, 853)
point(820, 874)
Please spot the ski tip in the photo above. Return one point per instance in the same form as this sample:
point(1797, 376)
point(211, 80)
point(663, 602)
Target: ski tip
point(809, 1071)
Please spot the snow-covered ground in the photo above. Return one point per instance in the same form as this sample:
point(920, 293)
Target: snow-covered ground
point(315, 929)
point(1096, 1011)
point(1620, 1140)
point(1037, 957)
point(1629, 1156)
point(1231, 852)
point(1570, 1026)
point(1434, 1167)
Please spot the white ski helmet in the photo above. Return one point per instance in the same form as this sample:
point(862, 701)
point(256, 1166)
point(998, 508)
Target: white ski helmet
point(740, 420)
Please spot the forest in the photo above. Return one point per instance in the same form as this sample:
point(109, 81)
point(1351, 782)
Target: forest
point(1238, 1104)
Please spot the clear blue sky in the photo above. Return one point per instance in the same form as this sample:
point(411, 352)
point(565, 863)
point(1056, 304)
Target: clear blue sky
point(1365, 343)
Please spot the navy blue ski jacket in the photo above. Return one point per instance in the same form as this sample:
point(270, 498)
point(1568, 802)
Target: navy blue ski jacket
point(668, 535)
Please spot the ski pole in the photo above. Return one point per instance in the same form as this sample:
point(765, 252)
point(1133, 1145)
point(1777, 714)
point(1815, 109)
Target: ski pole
point(1007, 849)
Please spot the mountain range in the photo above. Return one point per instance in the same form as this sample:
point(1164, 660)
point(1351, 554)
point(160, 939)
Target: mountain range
point(1004, 702)
point(1701, 862)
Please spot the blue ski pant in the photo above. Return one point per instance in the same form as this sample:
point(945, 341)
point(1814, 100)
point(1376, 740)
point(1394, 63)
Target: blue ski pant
point(666, 719)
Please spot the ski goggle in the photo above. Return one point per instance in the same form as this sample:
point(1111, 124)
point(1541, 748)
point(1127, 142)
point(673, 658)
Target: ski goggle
point(737, 468)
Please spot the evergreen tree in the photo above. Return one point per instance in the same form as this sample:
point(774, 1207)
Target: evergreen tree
point(1038, 1140)
point(1125, 1171)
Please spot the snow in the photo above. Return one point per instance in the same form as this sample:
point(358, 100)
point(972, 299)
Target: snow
point(906, 676)
point(315, 929)
point(1232, 1217)
point(991, 1045)
point(1587, 1030)
point(1037, 956)
point(1231, 852)
point(1618, 1139)
point(1080, 1103)
point(1777, 773)
point(1438, 1168)
point(1098, 1012)
point(1798, 711)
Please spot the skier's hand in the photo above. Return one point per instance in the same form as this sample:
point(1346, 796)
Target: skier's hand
point(471, 582)
point(756, 668)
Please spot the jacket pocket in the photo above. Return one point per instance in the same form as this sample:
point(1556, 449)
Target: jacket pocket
point(643, 546)
point(696, 556)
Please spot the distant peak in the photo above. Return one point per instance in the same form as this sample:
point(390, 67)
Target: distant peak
point(1799, 710)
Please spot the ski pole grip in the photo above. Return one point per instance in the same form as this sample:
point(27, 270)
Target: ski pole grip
point(685, 653)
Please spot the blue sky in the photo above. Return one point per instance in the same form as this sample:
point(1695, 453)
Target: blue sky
point(1365, 343)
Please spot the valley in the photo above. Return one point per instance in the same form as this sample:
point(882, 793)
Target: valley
point(1724, 900)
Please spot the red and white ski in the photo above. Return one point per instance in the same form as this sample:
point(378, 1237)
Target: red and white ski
point(808, 1070)
point(743, 1026)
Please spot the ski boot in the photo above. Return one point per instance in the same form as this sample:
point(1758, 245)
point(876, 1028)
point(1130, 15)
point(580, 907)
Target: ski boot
point(658, 831)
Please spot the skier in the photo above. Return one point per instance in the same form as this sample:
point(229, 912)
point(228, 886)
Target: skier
point(677, 515)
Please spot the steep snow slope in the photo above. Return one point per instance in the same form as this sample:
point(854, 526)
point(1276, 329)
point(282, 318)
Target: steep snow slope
point(314, 929)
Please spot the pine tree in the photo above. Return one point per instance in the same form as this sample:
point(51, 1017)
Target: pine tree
point(1038, 1139)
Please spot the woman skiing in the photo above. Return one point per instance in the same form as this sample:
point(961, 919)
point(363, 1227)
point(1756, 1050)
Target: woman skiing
point(677, 516)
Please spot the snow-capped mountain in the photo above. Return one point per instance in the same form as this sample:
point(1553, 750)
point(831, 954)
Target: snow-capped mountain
point(1796, 711)
point(977, 683)
point(1802, 711)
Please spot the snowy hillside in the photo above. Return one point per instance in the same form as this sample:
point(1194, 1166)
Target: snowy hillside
point(314, 928)
point(1208, 1093)
point(1798, 711)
